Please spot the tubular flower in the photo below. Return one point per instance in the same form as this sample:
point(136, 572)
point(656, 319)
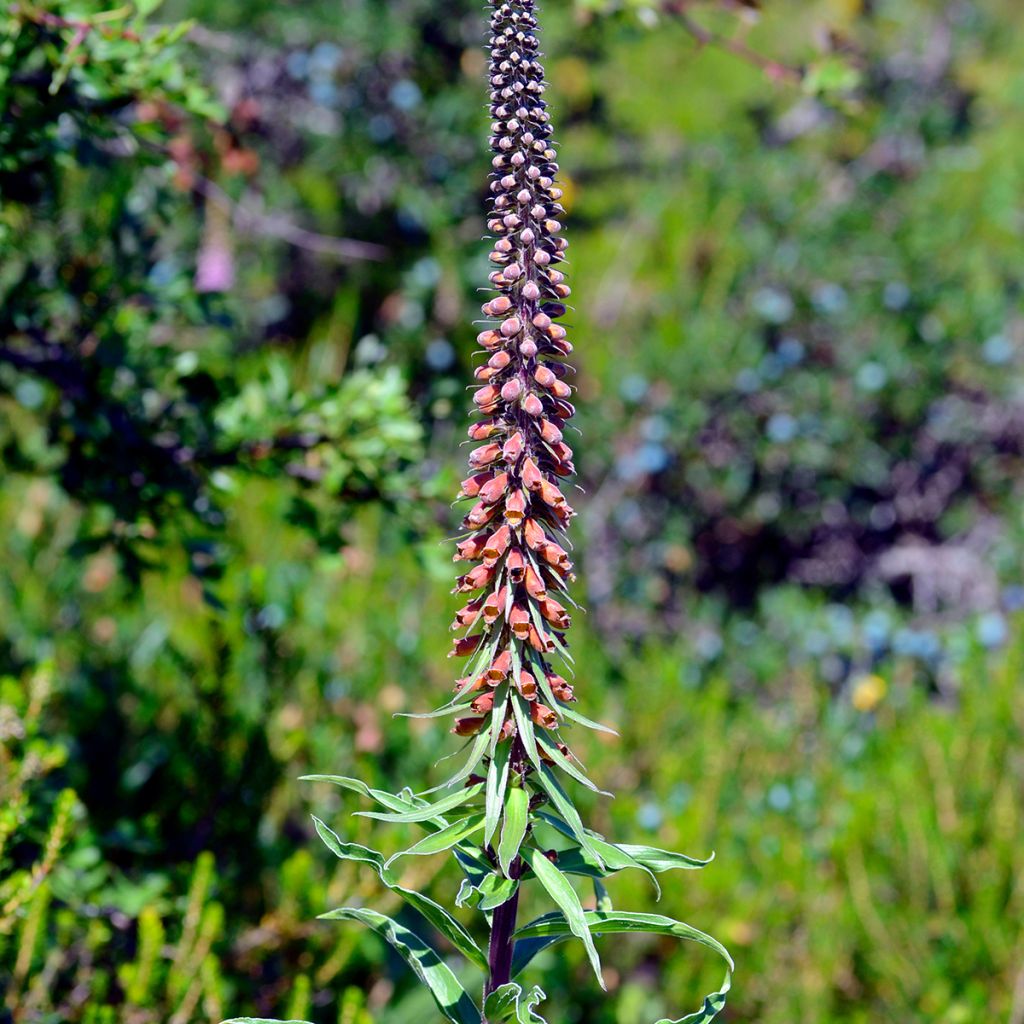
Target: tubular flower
point(515, 529)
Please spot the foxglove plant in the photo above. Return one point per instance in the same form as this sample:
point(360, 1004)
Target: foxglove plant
point(500, 813)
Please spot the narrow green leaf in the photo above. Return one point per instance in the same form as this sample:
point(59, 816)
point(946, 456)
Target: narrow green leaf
point(567, 809)
point(428, 811)
point(452, 999)
point(476, 755)
point(513, 829)
point(511, 1003)
point(443, 840)
point(561, 891)
point(526, 732)
point(663, 860)
point(575, 716)
point(497, 718)
point(433, 912)
point(389, 800)
point(551, 749)
point(622, 922)
point(443, 712)
point(497, 780)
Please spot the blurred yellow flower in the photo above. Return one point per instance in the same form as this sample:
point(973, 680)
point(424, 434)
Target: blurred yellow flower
point(868, 692)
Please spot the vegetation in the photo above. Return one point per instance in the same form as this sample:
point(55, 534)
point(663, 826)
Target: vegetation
point(224, 494)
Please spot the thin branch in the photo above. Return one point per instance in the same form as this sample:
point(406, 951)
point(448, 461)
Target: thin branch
point(774, 69)
point(255, 222)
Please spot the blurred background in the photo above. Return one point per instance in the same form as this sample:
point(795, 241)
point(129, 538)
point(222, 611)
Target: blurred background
point(238, 281)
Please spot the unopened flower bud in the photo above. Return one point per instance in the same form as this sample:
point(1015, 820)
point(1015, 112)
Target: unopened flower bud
point(535, 585)
point(513, 447)
point(515, 564)
point(493, 490)
point(511, 327)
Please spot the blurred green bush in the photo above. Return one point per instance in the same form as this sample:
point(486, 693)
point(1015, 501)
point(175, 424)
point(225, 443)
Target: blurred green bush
point(225, 422)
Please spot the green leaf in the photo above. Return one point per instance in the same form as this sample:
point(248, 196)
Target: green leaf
point(526, 733)
point(433, 912)
point(385, 799)
point(510, 1003)
point(476, 755)
point(575, 716)
point(562, 892)
point(497, 780)
point(448, 709)
point(261, 1020)
point(489, 893)
point(428, 811)
point(451, 998)
point(513, 828)
point(663, 860)
point(831, 74)
point(551, 749)
point(552, 928)
point(443, 840)
point(567, 809)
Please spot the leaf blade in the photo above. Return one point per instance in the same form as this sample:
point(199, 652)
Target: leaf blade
point(561, 891)
point(513, 829)
point(451, 998)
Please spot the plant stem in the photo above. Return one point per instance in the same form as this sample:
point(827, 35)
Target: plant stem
point(499, 955)
point(503, 924)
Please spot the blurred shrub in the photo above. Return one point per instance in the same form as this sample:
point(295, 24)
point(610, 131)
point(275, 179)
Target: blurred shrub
point(800, 345)
point(819, 311)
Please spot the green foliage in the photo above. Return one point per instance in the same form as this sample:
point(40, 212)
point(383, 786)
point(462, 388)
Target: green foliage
point(856, 766)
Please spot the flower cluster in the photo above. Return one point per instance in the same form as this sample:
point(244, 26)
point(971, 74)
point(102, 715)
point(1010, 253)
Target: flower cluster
point(517, 620)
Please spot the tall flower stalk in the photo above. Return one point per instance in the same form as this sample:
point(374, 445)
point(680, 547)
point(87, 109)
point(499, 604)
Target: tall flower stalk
point(506, 815)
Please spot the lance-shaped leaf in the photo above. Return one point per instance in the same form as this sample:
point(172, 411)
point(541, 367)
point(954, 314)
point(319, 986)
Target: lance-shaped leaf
point(552, 751)
point(582, 862)
point(428, 811)
point(527, 734)
point(497, 780)
point(443, 840)
point(561, 891)
point(663, 860)
point(433, 912)
point(452, 999)
point(476, 755)
point(511, 1003)
point(444, 712)
point(571, 816)
point(389, 800)
point(552, 928)
point(513, 828)
point(575, 716)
